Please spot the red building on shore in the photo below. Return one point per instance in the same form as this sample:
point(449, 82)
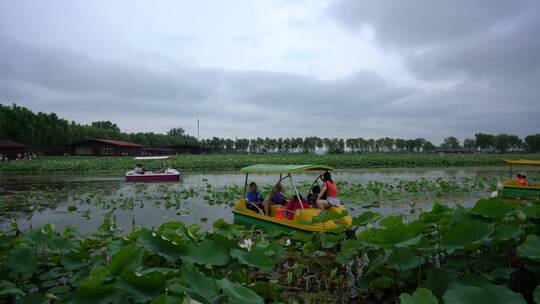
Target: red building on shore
point(11, 149)
point(105, 147)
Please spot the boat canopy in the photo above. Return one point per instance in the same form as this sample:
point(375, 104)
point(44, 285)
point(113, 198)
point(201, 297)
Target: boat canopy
point(151, 157)
point(522, 162)
point(273, 168)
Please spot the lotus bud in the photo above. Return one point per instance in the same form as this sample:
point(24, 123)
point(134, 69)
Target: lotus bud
point(494, 194)
point(288, 242)
point(521, 216)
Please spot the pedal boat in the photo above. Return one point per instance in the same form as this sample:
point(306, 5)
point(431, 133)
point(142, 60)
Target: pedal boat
point(512, 190)
point(167, 175)
point(303, 217)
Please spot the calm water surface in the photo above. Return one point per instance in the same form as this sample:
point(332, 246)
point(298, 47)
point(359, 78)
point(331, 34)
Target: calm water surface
point(36, 199)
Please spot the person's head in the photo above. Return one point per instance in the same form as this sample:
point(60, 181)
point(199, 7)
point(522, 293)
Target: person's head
point(523, 176)
point(327, 177)
point(316, 189)
point(518, 175)
point(253, 187)
point(279, 187)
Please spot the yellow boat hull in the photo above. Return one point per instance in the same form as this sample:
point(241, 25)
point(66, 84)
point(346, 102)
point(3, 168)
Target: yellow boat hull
point(301, 221)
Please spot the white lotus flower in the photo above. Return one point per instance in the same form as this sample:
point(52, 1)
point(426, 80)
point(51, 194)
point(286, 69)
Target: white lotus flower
point(494, 194)
point(246, 244)
point(288, 242)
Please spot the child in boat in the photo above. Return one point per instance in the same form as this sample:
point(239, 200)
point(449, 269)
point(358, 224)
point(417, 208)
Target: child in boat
point(313, 196)
point(331, 191)
point(139, 169)
point(524, 180)
point(276, 197)
point(254, 200)
point(294, 204)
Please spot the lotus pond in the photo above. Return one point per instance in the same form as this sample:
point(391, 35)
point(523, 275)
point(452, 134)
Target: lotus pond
point(202, 198)
point(421, 236)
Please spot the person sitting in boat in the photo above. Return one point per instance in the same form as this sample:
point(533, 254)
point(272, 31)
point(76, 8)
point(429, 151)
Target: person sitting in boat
point(254, 200)
point(275, 198)
point(518, 177)
point(313, 196)
point(524, 181)
point(294, 204)
point(139, 169)
point(331, 191)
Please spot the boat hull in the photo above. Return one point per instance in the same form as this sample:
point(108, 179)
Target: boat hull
point(153, 178)
point(301, 222)
point(515, 191)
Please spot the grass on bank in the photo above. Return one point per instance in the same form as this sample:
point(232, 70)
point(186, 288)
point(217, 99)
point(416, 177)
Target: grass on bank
point(225, 162)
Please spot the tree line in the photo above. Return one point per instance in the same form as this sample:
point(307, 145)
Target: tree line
point(47, 133)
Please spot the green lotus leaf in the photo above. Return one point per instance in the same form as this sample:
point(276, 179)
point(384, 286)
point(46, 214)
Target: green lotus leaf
point(142, 288)
point(157, 243)
point(329, 240)
point(207, 252)
point(196, 285)
point(75, 259)
point(366, 218)
point(403, 259)
point(492, 208)
point(349, 250)
point(92, 291)
point(325, 216)
point(500, 274)
point(9, 288)
point(436, 213)
point(166, 299)
point(465, 234)
point(419, 296)
point(506, 232)
point(58, 244)
point(23, 260)
point(536, 295)
point(391, 220)
point(239, 294)
point(399, 235)
point(530, 248)
point(129, 257)
point(34, 298)
point(439, 279)
point(458, 293)
point(256, 257)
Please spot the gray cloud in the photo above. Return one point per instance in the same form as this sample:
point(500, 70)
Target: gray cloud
point(487, 53)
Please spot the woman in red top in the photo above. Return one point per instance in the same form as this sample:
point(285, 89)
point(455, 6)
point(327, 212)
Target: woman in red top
point(331, 191)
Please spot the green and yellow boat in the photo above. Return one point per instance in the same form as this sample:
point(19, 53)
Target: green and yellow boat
point(513, 190)
point(303, 218)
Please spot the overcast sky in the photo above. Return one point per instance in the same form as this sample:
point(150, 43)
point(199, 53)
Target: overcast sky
point(347, 68)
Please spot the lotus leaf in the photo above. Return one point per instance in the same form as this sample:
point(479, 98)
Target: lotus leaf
point(530, 248)
point(487, 293)
point(420, 296)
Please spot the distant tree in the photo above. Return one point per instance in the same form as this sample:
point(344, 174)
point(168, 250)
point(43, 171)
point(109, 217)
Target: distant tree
point(532, 143)
point(469, 144)
point(486, 142)
point(107, 125)
point(451, 143)
point(428, 146)
point(179, 132)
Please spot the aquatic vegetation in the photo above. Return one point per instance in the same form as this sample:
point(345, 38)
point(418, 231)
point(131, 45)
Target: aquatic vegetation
point(444, 255)
point(236, 161)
